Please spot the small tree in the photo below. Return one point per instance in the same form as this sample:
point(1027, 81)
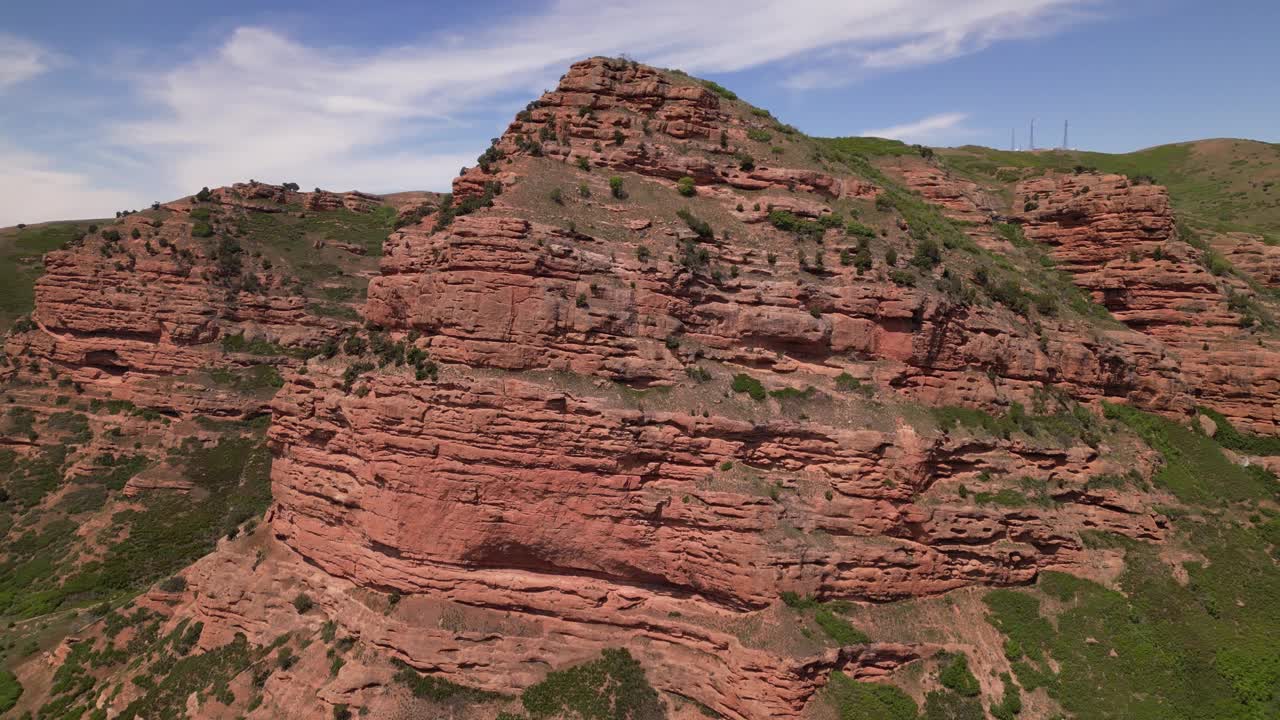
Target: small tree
point(557, 197)
point(615, 187)
point(685, 186)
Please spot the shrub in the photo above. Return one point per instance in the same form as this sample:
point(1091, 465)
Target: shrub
point(174, 584)
point(686, 187)
point(956, 676)
point(759, 135)
point(928, 254)
point(204, 195)
point(583, 190)
point(615, 187)
point(303, 603)
point(699, 226)
point(857, 229)
point(557, 196)
point(744, 383)
point(891, 257)
point(902, 277)
point(720, 90)
point(583, 163)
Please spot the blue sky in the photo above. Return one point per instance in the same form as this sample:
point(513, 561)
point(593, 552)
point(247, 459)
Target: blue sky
point(107, 108)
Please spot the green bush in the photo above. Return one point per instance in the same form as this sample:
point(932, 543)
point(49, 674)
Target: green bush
point(699, 226)
point(956, 676)
point(720, 90)
point(928, 254)
point(744, 383)
point(303, 603)
point(855, 700)
point(759, 135)
point(685, 186)
point(611, 688)
point(615, 187)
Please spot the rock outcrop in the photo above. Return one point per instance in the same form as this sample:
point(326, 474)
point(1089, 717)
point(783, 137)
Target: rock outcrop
point(1118, 240)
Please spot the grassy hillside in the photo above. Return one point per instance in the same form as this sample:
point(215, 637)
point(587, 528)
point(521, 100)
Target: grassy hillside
point(21, 250)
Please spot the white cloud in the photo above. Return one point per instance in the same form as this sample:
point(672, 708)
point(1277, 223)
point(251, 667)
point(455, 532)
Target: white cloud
point(263, 105)
point(21, 60)
point(929, 131)
point(35, 190)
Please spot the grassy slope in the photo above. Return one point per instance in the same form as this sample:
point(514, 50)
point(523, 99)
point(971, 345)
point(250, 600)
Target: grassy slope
point(20, 265)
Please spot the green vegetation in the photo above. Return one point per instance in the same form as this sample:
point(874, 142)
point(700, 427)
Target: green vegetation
point(696, 224)
point(1208, 181)
point(1195, 469)
point(1229, 437)
point(855, 700)
point(720, 90)
point(955, 676)
point(1159, 648)
point(744, 383)
point(20, 265)
point(686, 187)
point(838, 629)
point(1068, 420)
point(611, 688)
point(10, 690)
point(41, 573)
point(437, 689)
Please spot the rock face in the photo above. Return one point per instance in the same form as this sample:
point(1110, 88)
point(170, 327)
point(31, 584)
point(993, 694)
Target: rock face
point(577, 424)
point(524, 480)
point(151, 296)
point(1118, 240)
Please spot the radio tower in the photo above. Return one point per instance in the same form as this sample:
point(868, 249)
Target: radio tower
point(1064, 134)
point(1013, 139)
point(1031, 144)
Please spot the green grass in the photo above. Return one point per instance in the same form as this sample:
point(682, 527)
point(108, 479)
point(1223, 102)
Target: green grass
point(871, 146)
point(1229, 437)
point(10, 690)
point(839, 629)
point(20, 266)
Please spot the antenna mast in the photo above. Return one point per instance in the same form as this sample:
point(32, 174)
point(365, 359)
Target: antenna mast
point(1032, 143)
point(1013, 140)
point(1064, 133)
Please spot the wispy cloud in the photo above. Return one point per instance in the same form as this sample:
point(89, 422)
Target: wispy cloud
point(21, 60)
point(934, 129)
point(45, 192)
point(262, 104)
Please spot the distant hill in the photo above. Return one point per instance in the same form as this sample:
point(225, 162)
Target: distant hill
point(1225, 185)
